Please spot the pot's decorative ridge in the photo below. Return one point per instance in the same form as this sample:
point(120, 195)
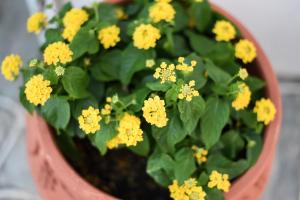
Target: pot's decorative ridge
point(57, 180)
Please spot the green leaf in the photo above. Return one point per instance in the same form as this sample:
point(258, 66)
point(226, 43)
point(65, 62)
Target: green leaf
point(68, 6)
point(85, 41)
point(214, 194)
point(57, 112)
point(181, 18)
point(139, 96)
point(157, 86)
point(107, 68)
point(75, 82)
point(225, 166)
point(168, 136)
point(142, 148)
point(200, 43)
point(217, 74)
point(50, 75)
point(81, 104)
point(53, 35)
point(190, 112)
point(185, 164)
point(172, 94)
point(255, 83)
point(249, 118)
point(102, 136)
point(180, 47)
point(27, 105)
point(233, 144)
point(202, 14)
point(203, 179)
point(214, 119)
point(254, 147)
point(132, 61)
point(107, 13)
point(222, 54)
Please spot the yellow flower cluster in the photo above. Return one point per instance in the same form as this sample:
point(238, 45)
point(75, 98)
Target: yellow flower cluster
point(37, 90)
point(265, 110)
point(200, 154)
point(182, 66)
point(59, 71)
point(165, 73)
point(129, 131)
point(188, 191)
point(57, 52)
point(243, 73)
point(154, 112)
point(109, 36)
point(150, 63)
point(224, 31)
point(162, 11)
point(220, 181)
point(113, 143)
point(89, 120)
point(36, 22)
point(243, 97)
point(245, 50)
point(106, 110)
point(145, 36)
point(72, 21)
point(187, 91)
point(10, 66)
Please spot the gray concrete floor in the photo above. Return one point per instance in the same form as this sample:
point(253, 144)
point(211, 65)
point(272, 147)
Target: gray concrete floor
point(15, 179)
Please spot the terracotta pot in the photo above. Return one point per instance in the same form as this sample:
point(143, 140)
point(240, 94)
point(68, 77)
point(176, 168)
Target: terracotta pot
point(56, 179)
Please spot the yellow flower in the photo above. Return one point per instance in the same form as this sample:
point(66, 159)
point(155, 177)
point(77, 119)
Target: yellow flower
point(245, 50)
point(37, 90)
point(75, 17)
point(188, 191)
point(154, 112)
point(162, 11)
point(150, 63)
point(224, 31)
point(265, 110)
point(243, 97)
point(60, 71)
point(106, 110)
point(199, 1)
point(243, 74)
point(163, 1)
point(187, 91)
point(10, 66)
point(200, 154)
point(70, 32)
point(121, 15)
point(89, 120)
point(36, 22)
point(145, 36)
point(165, 73)
point(109, 36)
point(108, 99)
point(129, 130)
point(182, 66)
point(57, 52)
point(113, 143)
point(219, 181)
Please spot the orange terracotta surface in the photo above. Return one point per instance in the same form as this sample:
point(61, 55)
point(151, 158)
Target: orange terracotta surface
point(56, 179)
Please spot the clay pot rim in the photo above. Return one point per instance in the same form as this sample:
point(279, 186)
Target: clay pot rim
point(271, 133)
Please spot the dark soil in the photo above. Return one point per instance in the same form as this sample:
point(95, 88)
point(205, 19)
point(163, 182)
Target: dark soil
point(120, 173)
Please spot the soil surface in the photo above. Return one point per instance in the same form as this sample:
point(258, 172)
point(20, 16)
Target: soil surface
point(120, 173)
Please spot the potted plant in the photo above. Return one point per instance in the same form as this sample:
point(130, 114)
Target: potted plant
point(149, 99)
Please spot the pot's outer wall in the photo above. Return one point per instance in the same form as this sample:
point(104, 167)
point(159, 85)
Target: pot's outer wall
point(55, 179)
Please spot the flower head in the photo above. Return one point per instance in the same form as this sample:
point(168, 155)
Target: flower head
point(220, 181)
point(75, 17)
point(245, 50)
point(265, 110)
point(200, 154)
point(59, 71)
point(10, 66)
point(188, 191)
point(243, 74)
point(154, 112)
point(243, 97)
point(182, 66)
point(37, 90)
point(36, 22)
point(187, 91)
point(162, 11)
point(150, 63)
point(89, 120)
point(114, 142)
point(109, 36)
point(165, 73)
point(106, 110)
point(70, 32)
point(145, 36)
point(129, 131)
point(57, 52)
point(224, 31)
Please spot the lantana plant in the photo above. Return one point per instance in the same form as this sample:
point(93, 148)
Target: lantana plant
point(166, 79)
